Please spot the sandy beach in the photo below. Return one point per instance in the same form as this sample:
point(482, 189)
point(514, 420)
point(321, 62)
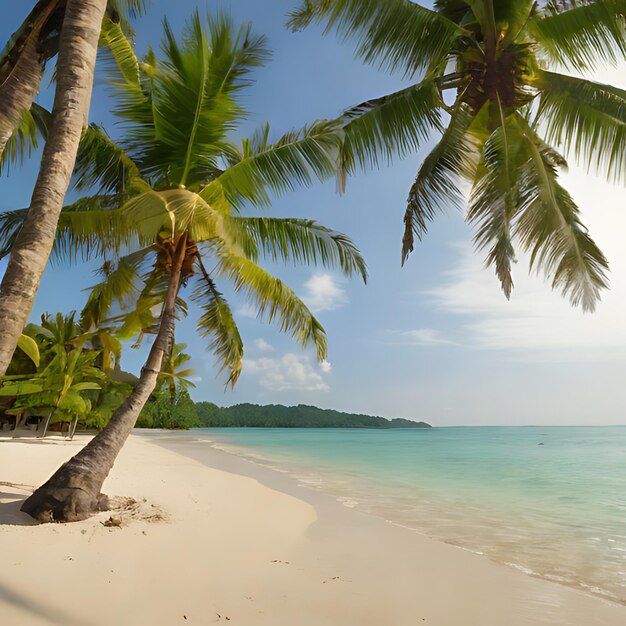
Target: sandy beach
point(207, 537)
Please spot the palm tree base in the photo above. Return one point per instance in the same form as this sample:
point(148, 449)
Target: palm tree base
point(70, 495)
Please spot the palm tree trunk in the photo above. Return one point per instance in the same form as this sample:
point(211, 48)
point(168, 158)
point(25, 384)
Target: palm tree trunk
point(73, 492)
point(18, 423)
point(75, 67)
point(22, 70)
point(72, 428)
point(47, 422)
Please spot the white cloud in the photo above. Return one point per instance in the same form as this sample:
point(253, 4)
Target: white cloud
point(289, 372)
point(538, 322)
point(323, 293)
point(326, 367)
point(263, 346)
point(246, 310)
point(421, 337)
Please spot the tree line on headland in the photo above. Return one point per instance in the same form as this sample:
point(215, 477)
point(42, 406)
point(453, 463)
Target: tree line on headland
point(301, 416)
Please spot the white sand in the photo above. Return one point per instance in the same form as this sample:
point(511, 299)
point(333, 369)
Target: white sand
point(233, 550)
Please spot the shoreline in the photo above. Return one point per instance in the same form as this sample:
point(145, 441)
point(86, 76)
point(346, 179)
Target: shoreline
point(234, 539)
point(287, 481)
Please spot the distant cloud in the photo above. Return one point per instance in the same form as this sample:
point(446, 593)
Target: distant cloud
point(262, 345)
point(323, 293)
point(246, 310)
point(420, 337)
point(537, 323)
point(290, 372)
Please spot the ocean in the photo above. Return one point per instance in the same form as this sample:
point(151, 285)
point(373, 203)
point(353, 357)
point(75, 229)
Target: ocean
point(550, 501)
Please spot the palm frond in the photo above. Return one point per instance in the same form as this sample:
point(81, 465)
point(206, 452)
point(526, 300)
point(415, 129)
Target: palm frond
point(123, 63)
point(103, 164)
point(394, 125)
point(31, 127)
point(296, 240)
point(218, 324)
point(586, 119)
point(172, 210)
point(493, 203)
point(130, 8)
point(584, 35)
point(296, 159)
point(194, 98)
point(437, 184)
point(398, 34)
point(120, 285)
point(549, 227)
point(273, 299)
point(93, 227)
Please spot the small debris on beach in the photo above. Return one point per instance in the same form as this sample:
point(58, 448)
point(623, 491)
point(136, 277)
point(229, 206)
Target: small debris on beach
point(112, 522)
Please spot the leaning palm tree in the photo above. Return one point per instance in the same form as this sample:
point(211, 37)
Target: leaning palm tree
point(486, 86)
point(167, 218)
point(78, 43)
point(22, 64)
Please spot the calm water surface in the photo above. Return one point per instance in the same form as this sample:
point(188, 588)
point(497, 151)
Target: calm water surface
point(550, 501)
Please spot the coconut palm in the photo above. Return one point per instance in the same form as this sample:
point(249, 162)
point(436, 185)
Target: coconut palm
point(487, 88)
point(22, 66)
point(167, 218)
point(175, 371)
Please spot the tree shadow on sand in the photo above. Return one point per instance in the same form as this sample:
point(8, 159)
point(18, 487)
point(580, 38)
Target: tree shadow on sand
point(51, 614)
point(12, 495)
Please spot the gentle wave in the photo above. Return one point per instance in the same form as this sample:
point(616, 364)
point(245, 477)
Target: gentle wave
point(557, 515)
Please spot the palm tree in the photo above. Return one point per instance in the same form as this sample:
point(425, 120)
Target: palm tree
point(485, 85)
point(175, 371)
point(65, 371)
point(168, 203)
point(22, 64)
point(78, 44)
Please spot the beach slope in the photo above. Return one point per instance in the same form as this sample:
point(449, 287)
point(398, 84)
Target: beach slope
point(205, 537)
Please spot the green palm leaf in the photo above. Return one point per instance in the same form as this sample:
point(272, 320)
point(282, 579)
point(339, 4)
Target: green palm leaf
point(437, 185)
point(398, 34)
point(392, 125)
point(273, 298)
point(587, 33)
point(549, 227)
point(296, 159)
point(121, 284)
point(194, 103)
point(494, 204)
point(30, 128)
point(103, 164)
point(587, 119)
point(296, 240)
point(218, 324)
point(117, 45)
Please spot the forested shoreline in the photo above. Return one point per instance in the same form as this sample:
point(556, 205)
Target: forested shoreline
point(301, 416)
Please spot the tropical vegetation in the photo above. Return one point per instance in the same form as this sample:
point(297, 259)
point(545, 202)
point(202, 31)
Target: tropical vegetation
point(70, 28)
point(486, 78)
point(166, 217)
point(302, 416)
point(71, 376)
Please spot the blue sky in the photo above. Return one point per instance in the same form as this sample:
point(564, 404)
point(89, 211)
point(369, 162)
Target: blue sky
point(435, 340)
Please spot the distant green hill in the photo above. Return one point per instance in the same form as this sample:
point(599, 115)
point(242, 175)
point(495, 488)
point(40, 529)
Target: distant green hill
point(302, 416)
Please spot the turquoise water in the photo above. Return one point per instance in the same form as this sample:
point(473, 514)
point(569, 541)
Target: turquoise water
point(548, 500)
